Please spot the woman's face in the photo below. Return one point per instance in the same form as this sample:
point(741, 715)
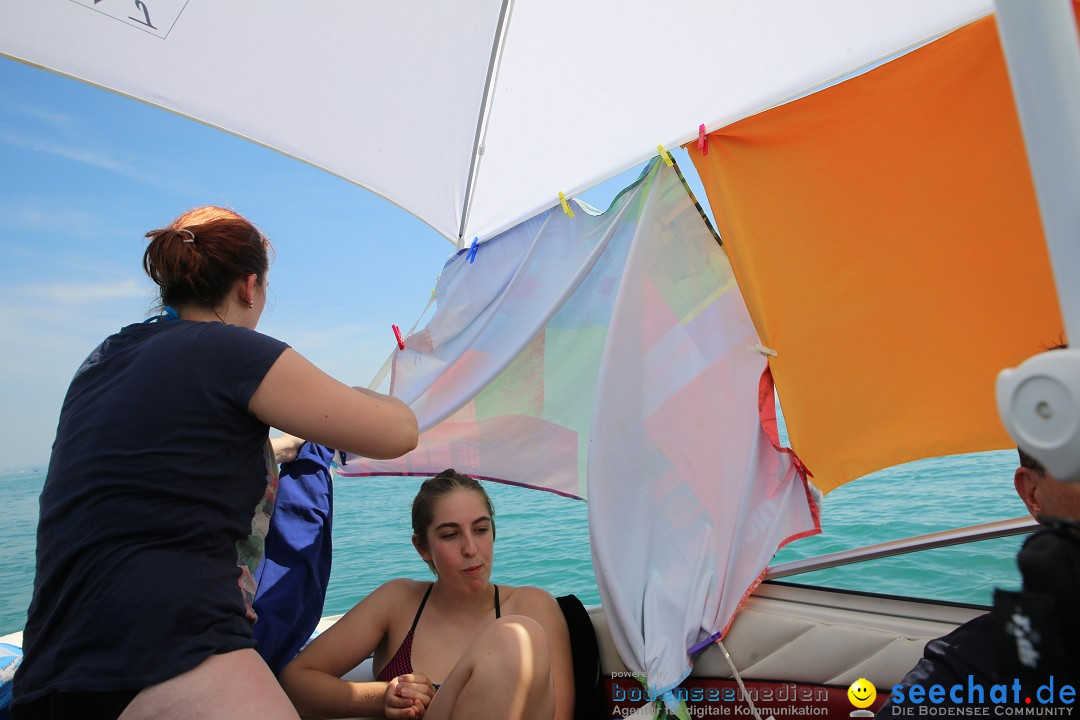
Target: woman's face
point(460, 540)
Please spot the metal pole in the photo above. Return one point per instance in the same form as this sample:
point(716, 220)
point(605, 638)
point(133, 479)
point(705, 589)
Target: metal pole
point(1042, 53)
point(945, 538)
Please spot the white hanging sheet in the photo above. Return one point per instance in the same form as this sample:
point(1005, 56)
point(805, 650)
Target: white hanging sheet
point(688, 498)
point(606, 356)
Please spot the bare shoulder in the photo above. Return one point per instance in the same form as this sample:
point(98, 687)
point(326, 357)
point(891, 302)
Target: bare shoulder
point(395, 594)
point(402, 588)
point(383, 603)
point(527, 600)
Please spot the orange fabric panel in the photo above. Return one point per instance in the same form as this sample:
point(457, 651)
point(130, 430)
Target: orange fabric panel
point(885, 234)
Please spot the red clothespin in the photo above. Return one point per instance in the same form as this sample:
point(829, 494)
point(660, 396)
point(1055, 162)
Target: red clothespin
point(702, 140)
point(397, 334)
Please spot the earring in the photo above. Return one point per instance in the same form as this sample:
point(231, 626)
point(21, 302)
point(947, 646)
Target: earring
point(251, 304)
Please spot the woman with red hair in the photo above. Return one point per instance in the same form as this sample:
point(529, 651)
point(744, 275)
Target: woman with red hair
point(161, 486)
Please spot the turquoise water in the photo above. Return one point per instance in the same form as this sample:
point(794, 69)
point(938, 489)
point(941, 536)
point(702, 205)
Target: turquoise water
point(914, 499)
point(543, 538)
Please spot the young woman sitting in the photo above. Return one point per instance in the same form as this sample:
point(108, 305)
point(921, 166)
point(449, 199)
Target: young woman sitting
point(456, 647)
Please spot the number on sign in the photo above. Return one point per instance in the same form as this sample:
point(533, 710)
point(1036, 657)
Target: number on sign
point(146, 14)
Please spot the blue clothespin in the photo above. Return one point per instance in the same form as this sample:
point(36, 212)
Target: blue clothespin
point(472, 249)
point(168, 315)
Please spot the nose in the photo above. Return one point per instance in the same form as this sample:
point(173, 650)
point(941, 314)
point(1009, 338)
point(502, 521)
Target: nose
point(469, 548)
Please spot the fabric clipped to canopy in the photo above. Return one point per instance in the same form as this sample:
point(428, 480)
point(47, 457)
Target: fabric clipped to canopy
point(886, 236)
point(606, 356)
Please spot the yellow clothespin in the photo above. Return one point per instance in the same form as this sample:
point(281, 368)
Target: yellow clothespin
point(565, 205)
point(666, 155)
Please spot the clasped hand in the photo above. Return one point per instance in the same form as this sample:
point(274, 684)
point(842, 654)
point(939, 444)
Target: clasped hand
point(407, 696)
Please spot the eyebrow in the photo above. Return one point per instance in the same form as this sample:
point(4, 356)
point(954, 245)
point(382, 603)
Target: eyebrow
point(483, 518)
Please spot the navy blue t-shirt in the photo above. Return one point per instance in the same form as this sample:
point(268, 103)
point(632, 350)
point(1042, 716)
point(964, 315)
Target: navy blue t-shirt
point(157, 485)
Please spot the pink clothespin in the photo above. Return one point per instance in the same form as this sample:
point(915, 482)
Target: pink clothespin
point(397, 334)
point(702, 140)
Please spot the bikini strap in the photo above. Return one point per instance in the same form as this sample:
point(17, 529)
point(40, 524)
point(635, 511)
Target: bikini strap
point(421, 608)
point(498, 613)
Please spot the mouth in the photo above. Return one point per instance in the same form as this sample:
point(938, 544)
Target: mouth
point(856, 696)
point(473, 570)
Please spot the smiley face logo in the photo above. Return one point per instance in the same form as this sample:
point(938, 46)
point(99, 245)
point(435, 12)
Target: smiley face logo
point(862, 693)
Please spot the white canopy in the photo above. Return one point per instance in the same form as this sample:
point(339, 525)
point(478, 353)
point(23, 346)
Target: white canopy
point(470, 115)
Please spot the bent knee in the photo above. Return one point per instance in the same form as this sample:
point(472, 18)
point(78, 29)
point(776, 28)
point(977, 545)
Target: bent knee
point(520, 629)
point(519, 640)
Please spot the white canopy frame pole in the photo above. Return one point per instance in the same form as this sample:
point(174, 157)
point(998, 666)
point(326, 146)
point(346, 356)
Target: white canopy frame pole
point(1039, 401)
point(1043, 56)
point(481, 121)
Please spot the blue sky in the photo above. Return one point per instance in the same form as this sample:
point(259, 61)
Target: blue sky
point(84, 174)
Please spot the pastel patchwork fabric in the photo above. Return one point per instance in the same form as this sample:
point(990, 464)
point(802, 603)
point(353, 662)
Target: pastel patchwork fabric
point(606, 356)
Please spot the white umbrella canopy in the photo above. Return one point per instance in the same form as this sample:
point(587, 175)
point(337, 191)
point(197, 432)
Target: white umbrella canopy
point(470, 115)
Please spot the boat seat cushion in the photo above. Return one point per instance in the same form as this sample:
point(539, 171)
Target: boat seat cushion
point(588, 698)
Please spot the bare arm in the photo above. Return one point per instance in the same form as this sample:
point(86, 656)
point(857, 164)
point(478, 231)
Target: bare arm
point(298, 398)
point(313, 679)
point(286, 447)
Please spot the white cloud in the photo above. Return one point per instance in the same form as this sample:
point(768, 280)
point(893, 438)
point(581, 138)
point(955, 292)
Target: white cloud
point(43, 217)
point(131, 168)
point(79, 293)
point(65, 136)
point(61, 122)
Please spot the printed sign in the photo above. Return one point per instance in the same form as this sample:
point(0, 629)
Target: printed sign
point(156, 17)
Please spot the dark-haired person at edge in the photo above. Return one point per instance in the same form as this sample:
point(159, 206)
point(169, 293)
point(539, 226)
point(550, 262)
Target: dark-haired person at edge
point(296, 570)
point(160, 488)
point(456, 647)
point(972, 649)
